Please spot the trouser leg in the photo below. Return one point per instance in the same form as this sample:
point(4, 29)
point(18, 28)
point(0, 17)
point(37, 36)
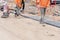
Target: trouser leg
point(42, 14)
point(17, 11)
point(23, 7)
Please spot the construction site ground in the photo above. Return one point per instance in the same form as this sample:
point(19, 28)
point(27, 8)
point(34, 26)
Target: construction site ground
point(21, 28)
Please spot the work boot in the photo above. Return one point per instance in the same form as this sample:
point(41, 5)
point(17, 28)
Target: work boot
point(22, 11)
point(5, 15)
point(41, 21)
point(17, 13)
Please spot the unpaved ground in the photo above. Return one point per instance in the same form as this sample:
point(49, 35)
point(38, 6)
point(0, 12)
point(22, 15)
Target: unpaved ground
point(21, 28)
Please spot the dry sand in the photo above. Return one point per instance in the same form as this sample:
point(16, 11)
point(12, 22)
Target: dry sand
point(26, 29)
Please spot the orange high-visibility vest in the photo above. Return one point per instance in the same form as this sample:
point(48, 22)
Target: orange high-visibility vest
point(18, 3)
point(43, 3)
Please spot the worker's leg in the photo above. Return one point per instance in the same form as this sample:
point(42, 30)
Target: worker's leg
point(42, 15)
point(23, 7)
point(17, 11)
point(5, 12)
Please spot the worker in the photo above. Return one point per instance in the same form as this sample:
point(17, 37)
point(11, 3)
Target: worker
point(42, 4)
point(19, 4)
point(5, 9)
